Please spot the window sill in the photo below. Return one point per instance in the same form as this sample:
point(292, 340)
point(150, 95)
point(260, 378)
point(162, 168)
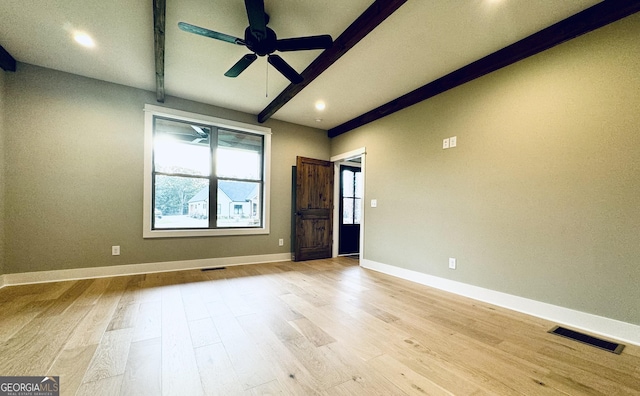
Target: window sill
point(203, 233)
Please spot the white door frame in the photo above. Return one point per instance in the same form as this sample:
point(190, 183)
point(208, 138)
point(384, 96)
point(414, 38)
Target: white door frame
point(337, 160)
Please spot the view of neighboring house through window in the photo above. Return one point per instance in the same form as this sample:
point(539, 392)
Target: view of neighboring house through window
point(206, 176)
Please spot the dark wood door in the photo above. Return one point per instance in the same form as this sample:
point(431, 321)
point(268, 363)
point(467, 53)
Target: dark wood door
point(313, 209)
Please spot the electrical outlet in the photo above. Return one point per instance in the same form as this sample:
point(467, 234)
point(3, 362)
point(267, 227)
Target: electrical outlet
point(445, 143)
point(115, 250)
point(374, 203)
point(280, 242)
point(453, 141)
point(452, 263)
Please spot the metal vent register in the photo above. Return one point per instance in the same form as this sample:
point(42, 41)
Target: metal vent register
point(587, 339)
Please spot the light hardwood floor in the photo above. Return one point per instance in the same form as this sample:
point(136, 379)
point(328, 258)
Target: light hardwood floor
point(325, 327)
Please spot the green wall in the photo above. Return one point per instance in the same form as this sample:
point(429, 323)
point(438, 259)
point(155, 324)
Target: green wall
point(74, 177)
point(2, 173)
point(541, 198)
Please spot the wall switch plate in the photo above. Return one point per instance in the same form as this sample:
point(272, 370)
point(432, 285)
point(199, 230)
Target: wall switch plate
point(452, 263)
point(453, 141)
point(115, 250)
point(445, 143)
point(374, 203)
point(280, 242)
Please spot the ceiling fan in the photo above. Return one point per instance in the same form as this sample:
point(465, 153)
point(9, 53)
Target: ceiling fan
point(261, 41)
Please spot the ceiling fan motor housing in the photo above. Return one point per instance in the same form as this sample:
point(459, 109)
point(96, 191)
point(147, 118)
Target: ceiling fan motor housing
point(262, 47)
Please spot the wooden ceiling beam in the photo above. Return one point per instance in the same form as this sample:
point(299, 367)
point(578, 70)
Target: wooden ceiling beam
point(159, 11)
point(583, 22)
point(363, 25)
point(7, 63)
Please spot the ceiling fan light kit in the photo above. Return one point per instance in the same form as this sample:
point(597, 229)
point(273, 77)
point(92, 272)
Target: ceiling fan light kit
point(263, 41)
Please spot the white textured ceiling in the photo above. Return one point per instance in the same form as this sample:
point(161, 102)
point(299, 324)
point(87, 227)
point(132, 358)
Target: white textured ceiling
point(419, 43)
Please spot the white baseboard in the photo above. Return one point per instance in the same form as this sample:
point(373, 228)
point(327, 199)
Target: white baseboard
point(618, 330)
point(135, 269)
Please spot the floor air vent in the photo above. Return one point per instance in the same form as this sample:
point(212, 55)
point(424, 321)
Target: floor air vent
point(213, 269)
point(587, 339)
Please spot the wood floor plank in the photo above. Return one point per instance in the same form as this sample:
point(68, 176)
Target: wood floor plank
point(272, 304)
point(218, 308)
point(92, 327)
point(148, 321)
point(110, 358)
point(49, 291)
point(338, 325)
point(32, 291)
point(436, 355)
point(404, 378)
point(19, 314)
point(216, 371)
point(104, 387)
point(70, 366)
point(94, 292)
point(67, 299)
point(123, 318)
point(287, 369)
point(364, 380)
point(435, 365)
point(592, 375)
point(327, 370)
point(312, 332)
point(193, 301)
point(324, 327)
point(179, 368)
point(552, 379)
point(143, 372)
point(35, 347)
point(246, 359)
point(270, 388)
point(505, 374)
point(203, 332)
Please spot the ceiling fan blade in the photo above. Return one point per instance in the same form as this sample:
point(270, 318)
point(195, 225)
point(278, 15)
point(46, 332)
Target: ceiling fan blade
point(284, 68)
point(209, 33)
point(304, 43)
point(257, 18)
point(240, 65)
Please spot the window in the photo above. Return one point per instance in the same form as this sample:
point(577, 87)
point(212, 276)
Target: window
point(204, 176)
point(351, 195)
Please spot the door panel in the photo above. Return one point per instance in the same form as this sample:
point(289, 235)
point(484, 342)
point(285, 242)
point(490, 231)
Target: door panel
point(350, 209)
point(314, 203)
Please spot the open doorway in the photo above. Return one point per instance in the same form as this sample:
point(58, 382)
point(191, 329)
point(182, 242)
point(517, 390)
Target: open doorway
point(350, 208)
point(349, 189)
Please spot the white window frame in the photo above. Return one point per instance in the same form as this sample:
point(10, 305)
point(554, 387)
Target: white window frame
point(151, 111)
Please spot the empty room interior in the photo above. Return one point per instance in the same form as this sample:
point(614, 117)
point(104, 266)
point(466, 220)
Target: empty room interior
point(292, 197)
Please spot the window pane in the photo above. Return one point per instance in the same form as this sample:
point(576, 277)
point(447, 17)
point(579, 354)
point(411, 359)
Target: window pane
point(347, 210)
point(358, 184)
point(239, 155)
point(181, 148)
point(239, 204)
point(357, 211)
point(347, 183)
point(181, 202)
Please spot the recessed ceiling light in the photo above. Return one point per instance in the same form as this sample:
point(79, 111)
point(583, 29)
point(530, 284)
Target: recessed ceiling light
point(318, 119)
point(320, 105)
point(84, 39)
